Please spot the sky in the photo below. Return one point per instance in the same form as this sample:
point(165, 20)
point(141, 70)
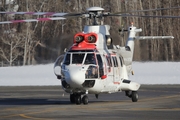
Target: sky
point(43, 75)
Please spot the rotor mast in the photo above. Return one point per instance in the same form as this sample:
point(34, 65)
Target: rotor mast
point(96, 14)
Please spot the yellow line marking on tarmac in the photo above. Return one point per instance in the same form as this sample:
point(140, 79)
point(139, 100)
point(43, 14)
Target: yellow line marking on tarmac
point(32, 113)
point(12, 109)
point(158, 98)
point(33, 118)
point(155, 109)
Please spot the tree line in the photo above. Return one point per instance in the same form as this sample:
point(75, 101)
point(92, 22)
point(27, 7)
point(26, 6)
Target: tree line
point(42, 42)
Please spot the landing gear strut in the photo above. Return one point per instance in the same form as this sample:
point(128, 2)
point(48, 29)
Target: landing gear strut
point(133, 95)
point(76, 98)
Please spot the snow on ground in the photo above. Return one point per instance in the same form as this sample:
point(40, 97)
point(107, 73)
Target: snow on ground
point(156, 72)
point(28, 75)
point(39, 75)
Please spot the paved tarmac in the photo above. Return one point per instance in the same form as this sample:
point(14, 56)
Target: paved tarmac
point(156, 102)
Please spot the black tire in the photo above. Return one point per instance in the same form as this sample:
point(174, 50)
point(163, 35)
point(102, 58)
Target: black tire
point(78, 99)
point(72, 98)
point(134, 96)
point(128, 93)
point(85, 100)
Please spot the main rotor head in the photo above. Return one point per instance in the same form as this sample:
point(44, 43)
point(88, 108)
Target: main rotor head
point(96, 13)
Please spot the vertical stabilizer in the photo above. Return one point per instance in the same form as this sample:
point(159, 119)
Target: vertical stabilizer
point(128, 51)
point(130, 41)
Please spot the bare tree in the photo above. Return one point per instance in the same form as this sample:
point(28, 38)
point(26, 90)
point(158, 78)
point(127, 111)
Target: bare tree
point(12, 46)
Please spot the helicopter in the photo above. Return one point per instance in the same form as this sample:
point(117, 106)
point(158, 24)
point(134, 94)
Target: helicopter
point(93, 64)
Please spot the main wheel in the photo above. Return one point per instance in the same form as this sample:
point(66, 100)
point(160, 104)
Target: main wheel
point(134, 96)
point(72, 98)
point(85, 100)
point(128, 93)
point(78, 99)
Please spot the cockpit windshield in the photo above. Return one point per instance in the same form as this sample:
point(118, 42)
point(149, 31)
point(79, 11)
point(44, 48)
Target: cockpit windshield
point(92, 60)
point(80, 58)
point(77, 58)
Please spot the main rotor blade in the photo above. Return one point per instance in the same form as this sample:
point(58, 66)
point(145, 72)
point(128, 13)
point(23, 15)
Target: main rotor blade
point(148, 10)
point(148, 16)
point(153, 16)
point(44, 13)
point(32, 20)
point(35, 13)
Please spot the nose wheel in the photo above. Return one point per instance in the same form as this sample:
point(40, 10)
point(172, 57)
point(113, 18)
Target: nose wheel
point(76, 98)
point(133, 95)
point(85, 100)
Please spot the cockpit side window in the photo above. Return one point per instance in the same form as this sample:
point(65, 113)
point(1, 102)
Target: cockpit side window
point(67, 59)
point(59, 60)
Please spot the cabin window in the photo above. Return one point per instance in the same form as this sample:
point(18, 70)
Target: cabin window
point(115, 61)
point(117, 65)
point(109, 62)
point(121, 61)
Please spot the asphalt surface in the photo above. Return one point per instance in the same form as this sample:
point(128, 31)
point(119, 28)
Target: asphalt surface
point(156, 102)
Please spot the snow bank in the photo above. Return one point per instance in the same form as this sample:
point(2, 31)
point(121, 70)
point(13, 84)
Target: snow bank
point(156, 72)
point(28, 76)
point(40, 75)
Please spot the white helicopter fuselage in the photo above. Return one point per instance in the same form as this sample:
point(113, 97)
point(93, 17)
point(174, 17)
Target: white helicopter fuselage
point(110, 68)
point(93, 65)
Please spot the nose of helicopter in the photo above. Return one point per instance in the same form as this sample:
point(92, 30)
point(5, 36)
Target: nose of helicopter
point(75, 77)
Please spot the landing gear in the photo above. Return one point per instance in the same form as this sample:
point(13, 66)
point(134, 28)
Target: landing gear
point(133, 95)
point(72, 98)
point(85, 100)
point(76, 98)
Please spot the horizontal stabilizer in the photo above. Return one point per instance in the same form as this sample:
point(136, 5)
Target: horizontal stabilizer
point(153, 37)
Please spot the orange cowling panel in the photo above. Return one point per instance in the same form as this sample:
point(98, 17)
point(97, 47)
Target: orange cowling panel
point(83, 45)
point(78, 34)
point(89, 37)
point(92, 36)
point(85, 41)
